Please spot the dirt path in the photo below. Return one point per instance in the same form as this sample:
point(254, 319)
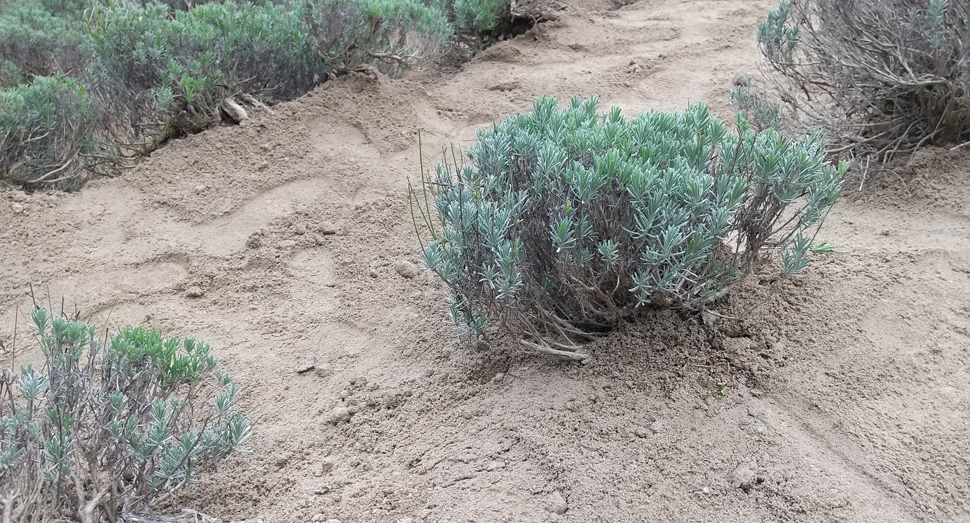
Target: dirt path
point(843, 395)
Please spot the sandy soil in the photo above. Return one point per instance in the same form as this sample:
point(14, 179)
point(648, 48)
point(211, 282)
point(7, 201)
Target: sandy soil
point(842, 395)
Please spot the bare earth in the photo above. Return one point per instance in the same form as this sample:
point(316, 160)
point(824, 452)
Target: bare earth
point(842, 395)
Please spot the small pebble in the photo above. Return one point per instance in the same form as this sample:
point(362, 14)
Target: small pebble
point(304, 364)
point(318, 517)
point(557, 503)
point(708, 317)
point(406, 269)
point(340, 415)
point(194, 292)
point(656, 426)
point(16, 208)
point(299, 229)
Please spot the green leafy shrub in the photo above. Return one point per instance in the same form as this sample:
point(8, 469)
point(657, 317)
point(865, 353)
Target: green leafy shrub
point(878, 77)
point(567, 221)
point(47, 133)
point(166, 75)
point(180, 5)
point(476, 20)
point(35, 42)
point(389, 35)
point(155, 70)
point(67, 8)
point(103, 429)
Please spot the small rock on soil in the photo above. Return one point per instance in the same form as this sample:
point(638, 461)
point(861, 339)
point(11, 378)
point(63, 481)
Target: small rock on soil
point(341, 415)
point(406, 269)
point(305, 364)
point(557, 503)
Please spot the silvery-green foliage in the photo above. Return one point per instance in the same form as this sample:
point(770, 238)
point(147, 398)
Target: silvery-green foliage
point(475, 21)
point(386, 34)
point(47, 132)
point(566, 220)
point(154, 67)
point(40, 40)
point(125, 417)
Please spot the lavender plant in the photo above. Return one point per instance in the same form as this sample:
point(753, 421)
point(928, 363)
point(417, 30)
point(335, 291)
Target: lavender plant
point(387, 35)
point(165, 74)
point(106, 427)
point(48, 133)
point(567, 221)
point(879, 77)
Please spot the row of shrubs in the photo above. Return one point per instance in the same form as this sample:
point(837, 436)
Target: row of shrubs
point(86, 83)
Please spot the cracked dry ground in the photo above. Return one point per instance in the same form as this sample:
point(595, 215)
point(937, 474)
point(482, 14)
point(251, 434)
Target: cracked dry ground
point(844, 394)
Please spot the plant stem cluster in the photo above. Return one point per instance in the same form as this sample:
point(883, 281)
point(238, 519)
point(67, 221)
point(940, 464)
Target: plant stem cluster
point(879, 77)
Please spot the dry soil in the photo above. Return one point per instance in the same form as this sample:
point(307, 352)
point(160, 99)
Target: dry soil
point(840, 395)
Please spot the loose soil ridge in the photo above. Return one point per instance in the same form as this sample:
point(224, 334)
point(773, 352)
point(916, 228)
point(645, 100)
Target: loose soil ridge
point(842, 395)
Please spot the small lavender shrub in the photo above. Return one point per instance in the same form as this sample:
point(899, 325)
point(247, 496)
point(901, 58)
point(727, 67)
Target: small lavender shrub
point(879, 77)
point(567, 221)
point(48, 133)
point(387, 35)
point(104, 429)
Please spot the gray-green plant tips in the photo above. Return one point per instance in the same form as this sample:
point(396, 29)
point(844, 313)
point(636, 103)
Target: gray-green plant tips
point(567, 221)
point(104, 429)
